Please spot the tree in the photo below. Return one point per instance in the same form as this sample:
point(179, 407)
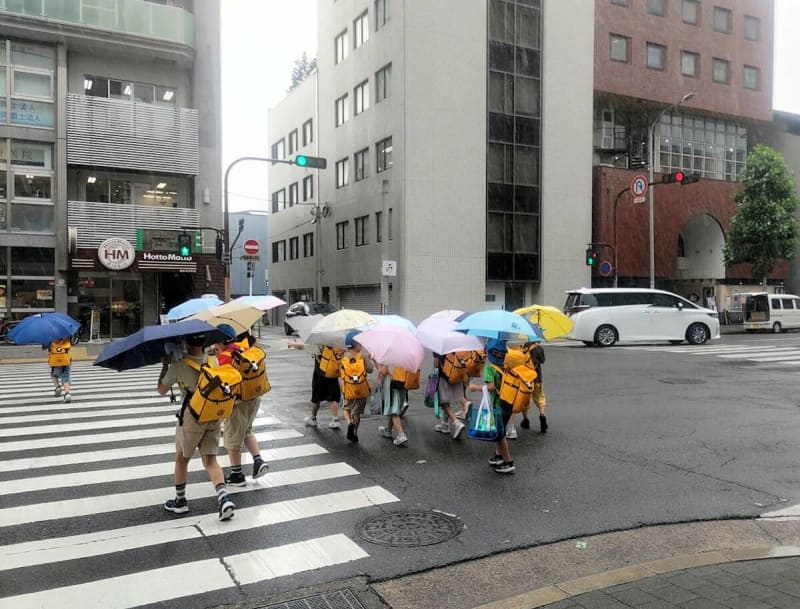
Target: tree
point(303, 67)
point(764, 228)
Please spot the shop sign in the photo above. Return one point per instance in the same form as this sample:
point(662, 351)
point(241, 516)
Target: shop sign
point(116, 254)
point(163, 257)
point(44, 294)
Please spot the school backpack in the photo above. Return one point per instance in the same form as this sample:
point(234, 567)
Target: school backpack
point(329, 361)
point(404, 379)
point(454, 367)
point(353, 373)
point(216, 391)
point(477, 360)
point(251, 364)
point(517, 357)
point(517, 386)
point(58, 353)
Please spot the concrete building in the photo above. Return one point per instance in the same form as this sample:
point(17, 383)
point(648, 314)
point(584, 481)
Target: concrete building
point(109, 148)
point(460, 170)
point(254, 227)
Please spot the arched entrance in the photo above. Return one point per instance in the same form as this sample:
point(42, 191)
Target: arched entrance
point(700, 245)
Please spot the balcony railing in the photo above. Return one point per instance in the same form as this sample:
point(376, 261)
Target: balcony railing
point(133, 17)
point(130, 135)
point(97, 222)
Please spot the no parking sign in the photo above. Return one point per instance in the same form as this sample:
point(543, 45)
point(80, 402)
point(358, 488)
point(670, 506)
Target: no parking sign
point(639, 188)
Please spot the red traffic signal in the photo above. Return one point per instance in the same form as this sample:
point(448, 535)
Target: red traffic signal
point(680, 177)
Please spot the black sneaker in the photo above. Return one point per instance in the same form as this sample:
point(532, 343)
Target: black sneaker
point(351, 433)
point(526, 423)
point(177, 506)
point(236, 480)
point(226, 508)
point(259, 469)
point(496, 460)
point(506, 467)
point(543, 426)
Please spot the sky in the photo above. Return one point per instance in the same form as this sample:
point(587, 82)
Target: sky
point(262, 38)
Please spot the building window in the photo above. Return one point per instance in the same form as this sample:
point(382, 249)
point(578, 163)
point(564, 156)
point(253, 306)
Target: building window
point(656, 7)
point(275, 202)
point(341, 234)
point(389, 227)
point(723, 20)
point(722, 71)
point(26, 85)
point(619, 48)
point(383, 153)
point(279, 251)
point(294, 196)
point(381, 13)
point(278, 200)
point(294, 248)
point(378, 226)
point(341, 47)
point(360, 98)
point(293, 147)
point(362, 231)
point(691, 12)
point(308, 132)
point(656, 56)
point(383, 83)
point(341, 172)
point(690, 63)
point(308, 188)
point(340, 108)
point(100, 86)
point(360, 30)
point(360, 162)
point(308, 245)
point(751, 77)
point(752, 28)
point(620, 2)
point(279, 150)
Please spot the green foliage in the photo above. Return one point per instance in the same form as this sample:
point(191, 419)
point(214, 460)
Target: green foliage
point(303, 67)
point(764, 229)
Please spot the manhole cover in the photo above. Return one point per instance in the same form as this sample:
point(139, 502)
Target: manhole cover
point(341, 599)
point(409, 529)
point(680, 381)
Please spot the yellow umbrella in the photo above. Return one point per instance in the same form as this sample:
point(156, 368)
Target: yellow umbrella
point(552, 321)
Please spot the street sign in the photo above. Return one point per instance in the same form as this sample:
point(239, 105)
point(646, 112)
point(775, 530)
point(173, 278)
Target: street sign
point(605, 269)
point(639, 188)
point(250, 258)
point(251, 247)
point(389, 268)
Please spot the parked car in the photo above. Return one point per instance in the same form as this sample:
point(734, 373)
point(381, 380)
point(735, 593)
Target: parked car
point(605, 316)
point(771, 312)
point(305, 308)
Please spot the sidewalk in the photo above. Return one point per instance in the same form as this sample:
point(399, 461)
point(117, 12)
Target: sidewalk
point(729, 564)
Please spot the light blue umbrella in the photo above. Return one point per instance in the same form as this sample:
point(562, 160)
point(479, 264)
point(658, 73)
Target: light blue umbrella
point(396, 321)
point(499, 324)
point(192, 306)
point(43, 328)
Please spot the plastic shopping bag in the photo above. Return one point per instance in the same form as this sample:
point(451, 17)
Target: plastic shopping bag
point(483, 420)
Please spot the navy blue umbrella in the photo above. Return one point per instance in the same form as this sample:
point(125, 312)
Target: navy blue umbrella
point(146, 346)
point(43, 328)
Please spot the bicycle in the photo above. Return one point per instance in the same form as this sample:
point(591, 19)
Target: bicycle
point(6, 325)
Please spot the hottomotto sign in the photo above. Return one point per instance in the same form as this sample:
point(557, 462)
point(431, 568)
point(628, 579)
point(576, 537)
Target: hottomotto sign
point(116, 254)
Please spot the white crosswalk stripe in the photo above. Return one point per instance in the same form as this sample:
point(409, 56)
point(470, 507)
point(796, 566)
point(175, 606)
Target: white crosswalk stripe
point(68, 471)
point(758, 354)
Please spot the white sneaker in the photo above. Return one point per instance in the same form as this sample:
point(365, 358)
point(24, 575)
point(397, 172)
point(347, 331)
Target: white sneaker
point(400, 439)
point(67, 398)
point(334, 424)
point(442, 427)
point(457, 429)
point(310, 422)
point(385, 431)
point(511, 433)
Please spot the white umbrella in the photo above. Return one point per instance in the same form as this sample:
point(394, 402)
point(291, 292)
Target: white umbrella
point(262, 302)
point(303, 324)
point(236, 314)
point(332, 329)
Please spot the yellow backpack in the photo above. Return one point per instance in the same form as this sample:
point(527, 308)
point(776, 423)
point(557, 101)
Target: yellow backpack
point(477, 360)
point(329, 362)
point(216, 392)
point(58, 353)
point(251, 364)
point(455, 366)
point(516, 357)
point(517, 386)
point(405, 379)
point(353, 373)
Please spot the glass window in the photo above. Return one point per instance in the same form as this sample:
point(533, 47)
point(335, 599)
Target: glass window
point(383, 83)
point(3, 186)
point(32, 218)
point(33, 84)
point(308, 245)
point(279, 251)
point(293, 147)
point(31, 154)
point(501, 92)
point(143, 93)
point(690, 63)
point(722, 71)
point(308, 188)
point(32, 113)
point(752, 27)
point(32, 56)
point(95, 87)
point(656, 56)
point(381, 13)
point(341, 234)
point(619, 48)
point(665, 300)
point(275, 202)
point(751, 77)
point(361, 98)
point(97, 190)
point(32, 261)
point(308, 132)
point(32, 186)
point(360, 30)
point(389, 225)
point(526, 166)
point(341, 172)
point(691, 12)
point(787, 303)
point(527, 28)
point(294, 248)
point(360, 162)
point(723, 20)
point(656, 7)
point(32, 293)
point(165, 96)
point(378, 226)
point(120, 89)
point(294, 194)
point(526, 96)
point(501, 21)
point(340, 109)
point(620, 2)
point(362, 231)
point(341, 47)
point(383, 150)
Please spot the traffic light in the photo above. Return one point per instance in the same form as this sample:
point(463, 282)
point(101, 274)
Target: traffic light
point(681, 178)
point(219, 247)
point(310, 162)
point(591, 256)
point(184, 245)
point(690, 178)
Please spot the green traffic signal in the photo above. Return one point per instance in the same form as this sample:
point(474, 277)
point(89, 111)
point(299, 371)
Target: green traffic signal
point(310, 162)
point(184, 245)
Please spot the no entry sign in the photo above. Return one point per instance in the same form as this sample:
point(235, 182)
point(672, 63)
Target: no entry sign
point(251, 247)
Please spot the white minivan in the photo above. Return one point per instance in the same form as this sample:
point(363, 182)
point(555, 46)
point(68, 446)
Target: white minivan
point(775, 312)
point(605, 316)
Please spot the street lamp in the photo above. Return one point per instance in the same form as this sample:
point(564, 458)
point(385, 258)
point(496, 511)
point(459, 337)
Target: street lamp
point(651, 146)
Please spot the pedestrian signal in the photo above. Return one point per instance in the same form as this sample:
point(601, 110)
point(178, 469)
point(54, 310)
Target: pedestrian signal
point(591, 256)
point(184, 245)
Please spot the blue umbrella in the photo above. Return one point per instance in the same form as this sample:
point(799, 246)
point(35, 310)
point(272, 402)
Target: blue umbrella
point(192, 306)
point(499, 324)
point(146, 346)
point(43, 328)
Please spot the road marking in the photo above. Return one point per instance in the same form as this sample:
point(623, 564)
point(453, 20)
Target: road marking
point(57, 404)
point(764, 352)
point(47, 392)
point(86, 506)
point(775, 358)
point(72, 413)
point(76, 397)
point(45, 551)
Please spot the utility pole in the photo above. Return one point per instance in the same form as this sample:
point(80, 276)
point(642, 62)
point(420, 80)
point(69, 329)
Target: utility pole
point(384, 245)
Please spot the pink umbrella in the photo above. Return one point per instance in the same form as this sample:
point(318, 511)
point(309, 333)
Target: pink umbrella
point(437, 334)
point(392, 346)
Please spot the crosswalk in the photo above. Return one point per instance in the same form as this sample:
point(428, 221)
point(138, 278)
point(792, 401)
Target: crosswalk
point(766, 354)
point(82, 485)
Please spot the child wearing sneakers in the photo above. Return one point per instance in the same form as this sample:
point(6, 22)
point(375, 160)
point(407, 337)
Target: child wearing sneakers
point(324, 388)
point(60, 361)
point(191, 434)
point(537, 359)
point(355, 387)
